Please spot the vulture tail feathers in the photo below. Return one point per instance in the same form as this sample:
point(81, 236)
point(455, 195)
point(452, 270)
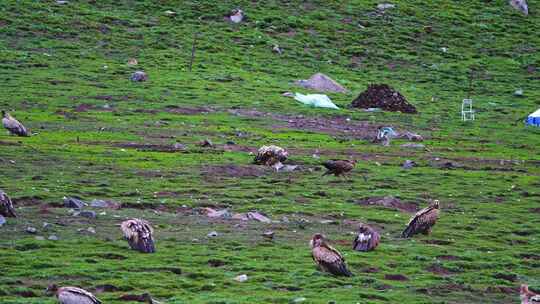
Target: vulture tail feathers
point(409, 231)
point(339, 269)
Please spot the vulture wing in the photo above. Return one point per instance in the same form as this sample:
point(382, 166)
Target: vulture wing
point(69, 295)
point(366, 241)
point(330, 260)
point(139, 235)
point(6, 205)
point(14, 126)
point(421, 222)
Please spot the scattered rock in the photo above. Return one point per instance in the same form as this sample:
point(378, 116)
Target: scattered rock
point(61, 2)
point(506, 276)
point(277, 49)
point(411, 136)
point(139, 76)
point(53, 237)
point(384, 6)
point(86, 213)
point(212, 234)
point(408, 164)
point(241, 278)
point(520, 5)
point(217, 213)
point(91, 230)
point(75, 203)
point(236, 16)
point(518, 93)
point(206, 143)
point(268, 234)
point(39, 238)
point(104, 204)
point(384, 97)
point(388, 202)
point(258, 217)
point(322, 83)
point(170, 13)
point(2, 220)
point(179, 147)
point(46, 225)
point(395, 277)
point(413, 146)
point(288, 168)
point(299, 300)
point(132, 61)
point(31, 230)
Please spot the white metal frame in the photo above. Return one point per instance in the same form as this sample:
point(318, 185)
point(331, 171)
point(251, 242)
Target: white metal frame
point(467, 112)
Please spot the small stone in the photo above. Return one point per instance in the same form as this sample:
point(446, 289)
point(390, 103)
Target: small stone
point(236, 16)
point(299, 300)
point(268, 234)
point(206, 143)
point(241, 278)
point(277, 49)
point(39, 238)
point(518, 93)
point(75, 203)
point(289, 168)
point(170, 13)
point(230, 142)
point(212, 234)
point(132, 61)
point(87, 214)
point(62, 2)
point(31, 230)
point(53, 237)
point(285, 219)
point(179, 146)
point(328, 222)
point(408, 164)
point(2, 220)
point(258, 217)
point(91, 230)
point(384, 6)
point(139, 76)
point(413, 146)
point(46, 225)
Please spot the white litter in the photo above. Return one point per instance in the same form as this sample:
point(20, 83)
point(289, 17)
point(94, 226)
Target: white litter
point(315, 100)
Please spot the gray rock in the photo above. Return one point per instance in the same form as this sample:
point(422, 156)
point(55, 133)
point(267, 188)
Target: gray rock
point(139, 76)
point(75, 203)
point(269, 234)
point(53, 237)
point(384, 6)
point(258, 217)
point(104, 204)
point(39, 238)
point(87, 213)
point(299, 300)
point(2, 220)
point(46, 225)
point(413, 146)
point(31, 230)
point(520, 5)
point(518, 93)
point(408, 164)
point(212, 234)
point(91, 230)
point(241, 278)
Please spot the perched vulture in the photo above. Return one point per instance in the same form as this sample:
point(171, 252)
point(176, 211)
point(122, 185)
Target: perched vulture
point(13, 126)
point(6, 206)
point(338, 167)
point(327, 258)
point(528, 297)
point(367, 239)
point(270, 155)
point(138, 233)
point(73, 295)
point(422, 221)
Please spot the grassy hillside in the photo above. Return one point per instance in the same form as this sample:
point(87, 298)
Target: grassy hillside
point(64, 73)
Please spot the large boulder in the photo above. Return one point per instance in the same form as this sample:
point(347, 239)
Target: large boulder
point(322, 83)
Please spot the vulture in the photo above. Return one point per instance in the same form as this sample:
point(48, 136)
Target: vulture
point(327, 258)
point(13, 126)
point(6, 206)
point(270, 155)
point(138, 233)
point(528, 297)
point(422, 221)
point(338, 167)
point(73, 295)
point(367, 239)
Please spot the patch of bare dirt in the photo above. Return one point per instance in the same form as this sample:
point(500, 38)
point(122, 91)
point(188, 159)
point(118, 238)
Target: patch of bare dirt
point(395, 277)
point(232, 170)
point(188, 110)
point(448, 257)
point(437, 242)
point(502, 289)
point(439, 270)
point(9, 143)
point(388, 202)
point(339, 125)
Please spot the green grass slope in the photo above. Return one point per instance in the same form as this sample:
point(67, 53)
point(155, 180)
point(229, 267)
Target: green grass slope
point(64, 73)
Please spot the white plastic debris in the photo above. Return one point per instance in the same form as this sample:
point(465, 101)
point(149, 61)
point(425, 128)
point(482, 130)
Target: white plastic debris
point(315, 100)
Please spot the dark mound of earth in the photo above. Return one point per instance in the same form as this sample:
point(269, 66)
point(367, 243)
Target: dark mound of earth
point(384, 97)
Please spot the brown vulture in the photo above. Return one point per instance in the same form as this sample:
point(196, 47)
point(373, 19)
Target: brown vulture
point(6, 205)
point(138, 233)
point(13, 126)
point(528, 297)
point(338, 167)
point(73, 295)
point(327, 258)
point(367, 239)
point(422, 221)
point(270, 155)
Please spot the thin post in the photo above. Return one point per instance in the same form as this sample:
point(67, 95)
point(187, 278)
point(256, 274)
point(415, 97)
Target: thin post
point(193, 49)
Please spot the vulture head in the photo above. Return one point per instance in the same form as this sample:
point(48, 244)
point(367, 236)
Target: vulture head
point(435, 204)
point(51, 289)
point(317, 240)
point(5, 114)
point(363, 228)
point(524, 288)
